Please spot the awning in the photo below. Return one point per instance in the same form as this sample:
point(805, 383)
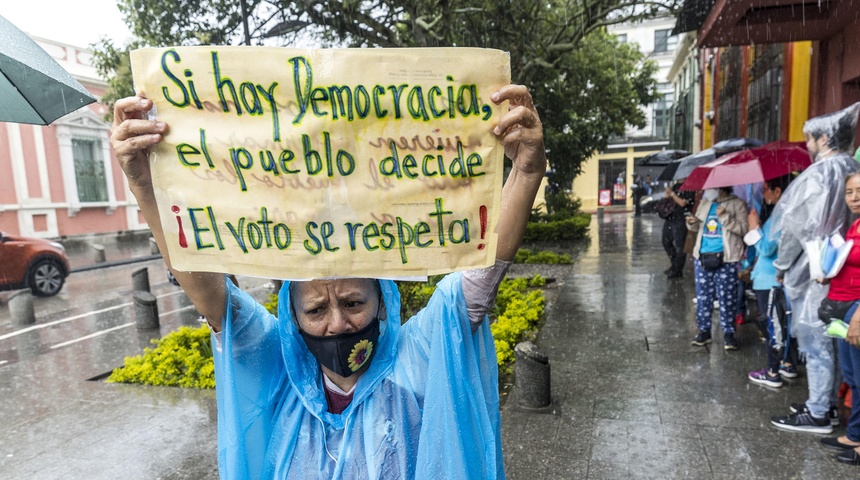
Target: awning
point(692, 15)
point(746, 22)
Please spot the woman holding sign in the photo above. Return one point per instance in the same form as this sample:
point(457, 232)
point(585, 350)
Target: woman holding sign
point(335, 386)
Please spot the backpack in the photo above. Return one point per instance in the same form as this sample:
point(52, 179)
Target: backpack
point(665, 207)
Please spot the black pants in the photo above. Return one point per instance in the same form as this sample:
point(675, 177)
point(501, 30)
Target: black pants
point(637, 200)
point(774, 357)
point(674, 237)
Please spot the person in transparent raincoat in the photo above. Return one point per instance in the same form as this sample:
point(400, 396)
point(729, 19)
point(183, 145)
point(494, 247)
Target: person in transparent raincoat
point(813, 206)
point(335, 387)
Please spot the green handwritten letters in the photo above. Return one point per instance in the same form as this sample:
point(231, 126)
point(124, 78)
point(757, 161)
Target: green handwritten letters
point(309, 163)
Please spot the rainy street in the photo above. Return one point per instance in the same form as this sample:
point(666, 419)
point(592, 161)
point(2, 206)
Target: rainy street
point(631, 397)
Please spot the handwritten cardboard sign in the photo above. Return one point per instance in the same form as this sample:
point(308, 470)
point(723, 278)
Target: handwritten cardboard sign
point(287, 163)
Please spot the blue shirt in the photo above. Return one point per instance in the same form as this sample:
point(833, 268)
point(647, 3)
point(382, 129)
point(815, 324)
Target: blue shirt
point(712, 233)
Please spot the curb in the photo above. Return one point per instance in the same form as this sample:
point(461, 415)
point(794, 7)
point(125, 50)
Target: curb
point(114, 264)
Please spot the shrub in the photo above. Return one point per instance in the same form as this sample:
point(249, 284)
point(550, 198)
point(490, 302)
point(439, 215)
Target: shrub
point(560, 206)
point(525, 255)
point(517, 311)
point(182, 359)
point(573, 228)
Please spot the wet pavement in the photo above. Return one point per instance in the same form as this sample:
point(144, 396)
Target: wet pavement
point(632, 397)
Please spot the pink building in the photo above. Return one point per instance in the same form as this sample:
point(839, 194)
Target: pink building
point(62, 180)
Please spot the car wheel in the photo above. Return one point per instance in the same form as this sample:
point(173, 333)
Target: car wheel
point(46, 278)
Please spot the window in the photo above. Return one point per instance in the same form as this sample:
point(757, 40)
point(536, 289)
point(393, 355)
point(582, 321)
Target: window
point(89, 169)
point(728, 94)
point(764, 92)
point(664, 41)
point(661, 115)
point(622, 37)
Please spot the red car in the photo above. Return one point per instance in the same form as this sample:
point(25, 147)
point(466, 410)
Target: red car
point(40, 265)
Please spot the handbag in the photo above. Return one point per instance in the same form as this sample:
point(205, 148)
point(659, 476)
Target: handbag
point(834, 309)
point(711, 261)
point(665, 207)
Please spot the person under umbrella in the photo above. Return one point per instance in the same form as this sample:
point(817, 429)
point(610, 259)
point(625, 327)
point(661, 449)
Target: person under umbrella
point(674, 234)
point(721, 223)
point(814, 207)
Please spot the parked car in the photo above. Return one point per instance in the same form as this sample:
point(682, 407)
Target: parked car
point(40, 265)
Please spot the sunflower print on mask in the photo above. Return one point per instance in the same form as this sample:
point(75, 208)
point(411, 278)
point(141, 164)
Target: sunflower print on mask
point(360, 354)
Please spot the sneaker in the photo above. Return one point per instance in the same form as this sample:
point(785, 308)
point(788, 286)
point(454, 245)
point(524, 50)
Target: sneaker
point(802, 421)
point(702, 339)
point(730, 342)
point(832, 414)
point(763, 377)
point(788, 371)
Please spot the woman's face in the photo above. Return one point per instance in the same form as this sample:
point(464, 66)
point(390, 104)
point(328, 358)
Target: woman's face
point(852, 194)
point(771, 195)
point(334, 307)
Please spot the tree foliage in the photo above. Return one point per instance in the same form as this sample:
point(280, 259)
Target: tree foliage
point(587, 85)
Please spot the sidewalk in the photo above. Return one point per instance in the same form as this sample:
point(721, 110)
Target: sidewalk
point(633, 398)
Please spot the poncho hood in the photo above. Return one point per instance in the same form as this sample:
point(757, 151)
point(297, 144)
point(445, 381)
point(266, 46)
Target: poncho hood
point(304, 370)
point(838, 126)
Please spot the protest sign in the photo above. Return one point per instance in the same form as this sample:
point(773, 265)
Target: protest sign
point(288, 163)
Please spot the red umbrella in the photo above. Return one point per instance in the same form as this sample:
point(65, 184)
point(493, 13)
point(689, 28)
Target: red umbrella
point(753, 165)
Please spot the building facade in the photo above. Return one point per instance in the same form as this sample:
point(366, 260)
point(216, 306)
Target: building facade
point(606, 177)
point(61, 180)
point(765, 67)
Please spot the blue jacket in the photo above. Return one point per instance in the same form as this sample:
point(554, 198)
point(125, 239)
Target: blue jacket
point(764, 273)
point(427, 407)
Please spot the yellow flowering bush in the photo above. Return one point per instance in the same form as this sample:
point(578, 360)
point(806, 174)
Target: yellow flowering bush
point(182, 359)
point(518, 311)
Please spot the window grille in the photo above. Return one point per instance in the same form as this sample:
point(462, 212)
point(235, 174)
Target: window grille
point(764, 92)
point(729, 101)
point(89, 170)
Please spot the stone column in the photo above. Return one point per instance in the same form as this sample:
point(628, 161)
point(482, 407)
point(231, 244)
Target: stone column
point(140, 280)
point(145, 310)
point(98, 253)
point(533, 376)
point(21, 308)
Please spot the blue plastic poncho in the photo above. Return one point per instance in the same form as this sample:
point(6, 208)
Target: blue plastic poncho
point(427, 407)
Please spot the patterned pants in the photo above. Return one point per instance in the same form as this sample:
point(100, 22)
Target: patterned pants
point(722, 285)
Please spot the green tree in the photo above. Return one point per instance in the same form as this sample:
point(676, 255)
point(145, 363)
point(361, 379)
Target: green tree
point(586, 84)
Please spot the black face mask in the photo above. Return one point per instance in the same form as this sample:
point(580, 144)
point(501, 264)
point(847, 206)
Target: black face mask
point(347, 353)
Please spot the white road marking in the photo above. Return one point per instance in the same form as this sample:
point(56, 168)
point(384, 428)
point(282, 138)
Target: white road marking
point(75, 317)
point(100, 332)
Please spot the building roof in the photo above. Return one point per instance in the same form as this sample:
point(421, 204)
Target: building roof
point(746, 22)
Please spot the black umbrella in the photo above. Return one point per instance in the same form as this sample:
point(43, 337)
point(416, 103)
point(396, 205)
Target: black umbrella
point(682, 167)
point(34, 88)
point(735, 144)
point(661, 158)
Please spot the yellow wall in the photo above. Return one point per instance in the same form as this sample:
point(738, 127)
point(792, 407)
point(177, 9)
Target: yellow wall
point(585, 185)
point(707, 106)
point(801, 60)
